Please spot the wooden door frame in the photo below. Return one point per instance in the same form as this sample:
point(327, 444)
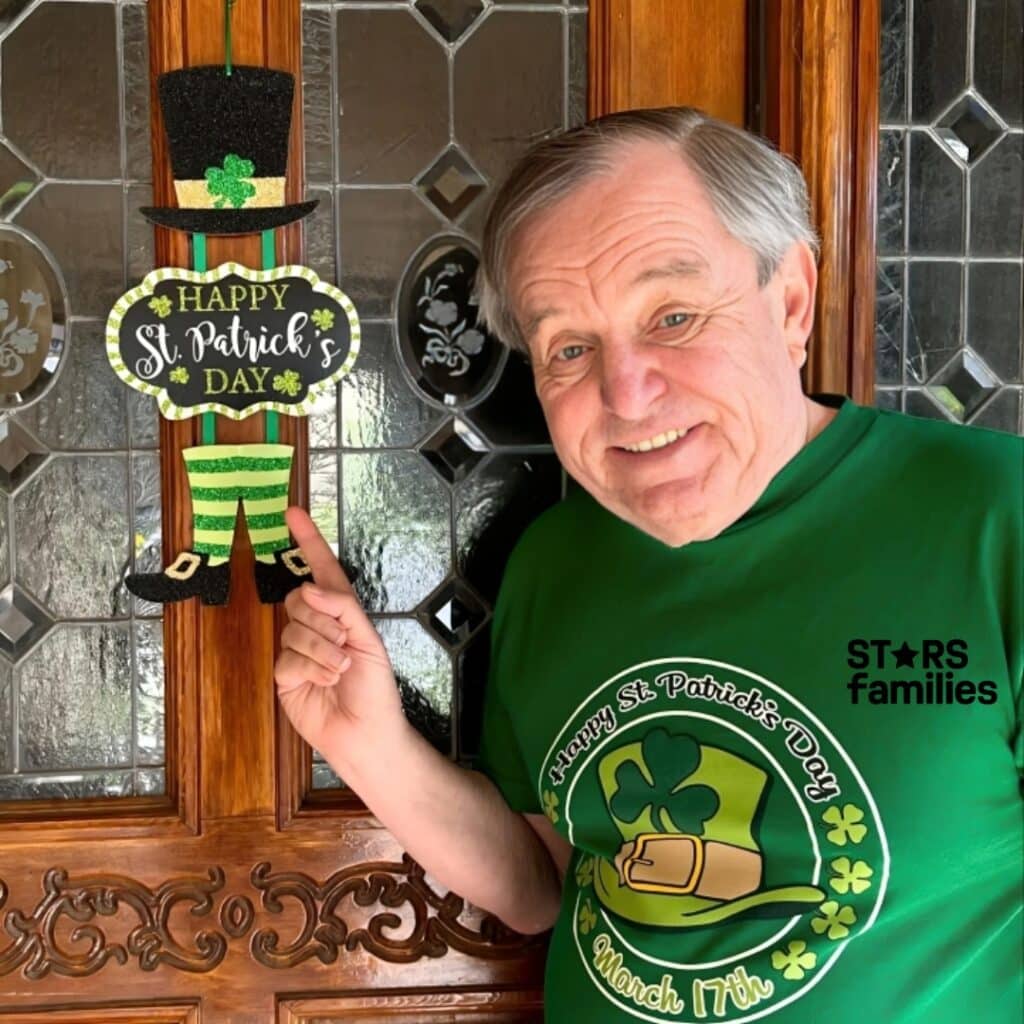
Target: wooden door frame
point(804, 73)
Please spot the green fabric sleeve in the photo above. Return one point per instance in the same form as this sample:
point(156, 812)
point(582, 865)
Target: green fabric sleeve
point(500, 758)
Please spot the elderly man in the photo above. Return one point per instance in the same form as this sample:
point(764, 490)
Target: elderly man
point(752, 733)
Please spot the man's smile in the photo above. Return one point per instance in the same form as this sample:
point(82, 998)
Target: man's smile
point(660, 446)
point(657, 441)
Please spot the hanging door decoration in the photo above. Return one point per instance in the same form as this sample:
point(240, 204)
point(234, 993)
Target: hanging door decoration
point(231, 341)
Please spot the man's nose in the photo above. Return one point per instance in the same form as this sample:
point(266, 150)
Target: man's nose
point(631, 380)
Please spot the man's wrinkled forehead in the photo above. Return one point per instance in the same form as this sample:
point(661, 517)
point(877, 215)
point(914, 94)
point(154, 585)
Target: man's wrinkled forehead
point(650, 219)
point(689, 266)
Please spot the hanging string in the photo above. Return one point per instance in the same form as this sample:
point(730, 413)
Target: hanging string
point(228, 4)
point(209, 419)
point(269, 262)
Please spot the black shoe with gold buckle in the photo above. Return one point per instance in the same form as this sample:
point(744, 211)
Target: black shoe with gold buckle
point(190, 574)
point(289, 570)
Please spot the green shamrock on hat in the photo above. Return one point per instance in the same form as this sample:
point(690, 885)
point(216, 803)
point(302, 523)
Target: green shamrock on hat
point(228, 182)
point(673, 807)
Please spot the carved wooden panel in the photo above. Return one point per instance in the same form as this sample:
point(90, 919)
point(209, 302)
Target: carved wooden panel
point(408, 921)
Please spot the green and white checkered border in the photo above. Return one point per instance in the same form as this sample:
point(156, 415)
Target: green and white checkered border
point(171, 411)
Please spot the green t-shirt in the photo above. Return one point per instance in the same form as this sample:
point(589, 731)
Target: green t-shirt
point(788, 758)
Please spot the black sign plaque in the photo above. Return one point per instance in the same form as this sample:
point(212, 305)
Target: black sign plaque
point(232, 340)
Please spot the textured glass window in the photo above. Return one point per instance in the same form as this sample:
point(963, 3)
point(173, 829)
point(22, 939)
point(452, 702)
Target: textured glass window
point(434, 455)
point(81, 660)
point(950, 208)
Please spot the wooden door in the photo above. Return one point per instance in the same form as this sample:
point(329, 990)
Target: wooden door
point(241, 894)
point(244, 892)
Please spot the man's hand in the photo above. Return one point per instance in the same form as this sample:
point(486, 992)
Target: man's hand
point(333, 674)
point(336, 685)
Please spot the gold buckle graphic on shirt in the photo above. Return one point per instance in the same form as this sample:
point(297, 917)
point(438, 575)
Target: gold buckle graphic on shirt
point(661, 862)
point(184, 566)
point(295, 563)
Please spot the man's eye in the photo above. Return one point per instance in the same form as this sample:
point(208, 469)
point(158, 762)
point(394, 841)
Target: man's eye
point(570, 352)
point(678, 319)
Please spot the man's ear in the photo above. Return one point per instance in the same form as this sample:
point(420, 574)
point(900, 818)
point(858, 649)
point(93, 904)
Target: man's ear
point(797, 285)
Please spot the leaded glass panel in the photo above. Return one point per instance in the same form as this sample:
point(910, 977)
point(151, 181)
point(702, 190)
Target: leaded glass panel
point(81, 661)
point(435, 456)
point(950, 207)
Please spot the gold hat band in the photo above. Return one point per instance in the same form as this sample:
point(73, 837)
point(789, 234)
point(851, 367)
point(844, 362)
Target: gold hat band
point(194, 194)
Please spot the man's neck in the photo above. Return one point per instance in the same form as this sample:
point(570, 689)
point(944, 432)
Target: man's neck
point(818, 418)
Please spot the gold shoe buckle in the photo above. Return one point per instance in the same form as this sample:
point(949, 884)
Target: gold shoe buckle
point(293, 561)
point(184, 566)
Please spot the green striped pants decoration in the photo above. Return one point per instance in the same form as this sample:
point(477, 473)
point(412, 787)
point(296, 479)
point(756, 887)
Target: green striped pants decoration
point(221, 475)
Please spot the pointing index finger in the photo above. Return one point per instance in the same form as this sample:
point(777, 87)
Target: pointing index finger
point(327, 571)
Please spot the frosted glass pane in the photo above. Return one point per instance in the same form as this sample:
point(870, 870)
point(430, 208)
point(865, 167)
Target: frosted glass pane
point(71, 531)
point(75, 699)
point(72, 786)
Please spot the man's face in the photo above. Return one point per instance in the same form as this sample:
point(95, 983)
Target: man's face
point(655, 324)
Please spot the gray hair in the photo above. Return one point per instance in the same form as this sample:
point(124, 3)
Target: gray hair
point(758, 193)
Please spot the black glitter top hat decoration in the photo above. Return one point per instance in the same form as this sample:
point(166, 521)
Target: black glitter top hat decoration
point(228, 137)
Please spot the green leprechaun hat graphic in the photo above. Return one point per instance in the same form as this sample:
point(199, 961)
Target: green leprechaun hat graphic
point(689, 855)
point(228, 140)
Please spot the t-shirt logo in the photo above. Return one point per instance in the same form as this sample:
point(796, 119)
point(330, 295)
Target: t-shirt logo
point(731, 848)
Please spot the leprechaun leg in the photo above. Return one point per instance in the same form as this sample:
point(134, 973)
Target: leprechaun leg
point(204, 570)
point(216, 483)
point(279, 566)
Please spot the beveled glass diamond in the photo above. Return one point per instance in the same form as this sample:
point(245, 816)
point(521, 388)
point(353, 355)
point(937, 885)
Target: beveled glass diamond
point(968, 129)
point(453, 613)
point(454, 450)
point(22, 622)
point(450, 17)
point(450, 183)
point(963, 385)
point(21, 455)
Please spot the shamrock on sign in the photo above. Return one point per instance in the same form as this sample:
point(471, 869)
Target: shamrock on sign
point(288, 383)
point(323, 318)
point(674, 807)
point(161, 305)
point(228, 182)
